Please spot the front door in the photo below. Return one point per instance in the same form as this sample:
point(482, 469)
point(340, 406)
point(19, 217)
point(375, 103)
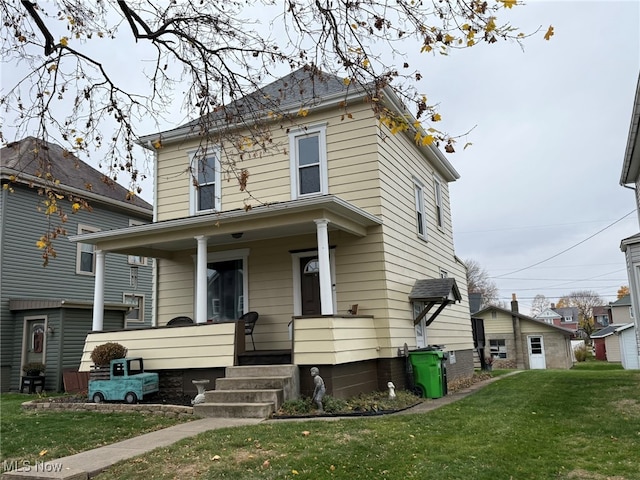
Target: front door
point(310, 285)
point(34, 340)
point(536, 353)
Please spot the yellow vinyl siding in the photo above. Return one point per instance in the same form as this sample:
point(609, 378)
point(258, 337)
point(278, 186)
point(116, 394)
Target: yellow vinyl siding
point(269, 171)
point(201, 346)
point(335, 340)
point(407, 256)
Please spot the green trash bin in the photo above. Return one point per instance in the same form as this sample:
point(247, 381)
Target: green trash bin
point(429, 372)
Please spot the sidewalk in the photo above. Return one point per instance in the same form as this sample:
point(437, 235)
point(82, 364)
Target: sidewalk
point(88, 464)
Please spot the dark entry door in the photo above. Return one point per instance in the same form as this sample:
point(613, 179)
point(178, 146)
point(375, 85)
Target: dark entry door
point(310, 285)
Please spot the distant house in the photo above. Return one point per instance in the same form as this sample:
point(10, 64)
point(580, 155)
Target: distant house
point(46, 313)
point(347, 258)
point(622, 311)
point(566, 317)
point(606, 344)
point(514, 340)
point(601, 316)
point(630, 177)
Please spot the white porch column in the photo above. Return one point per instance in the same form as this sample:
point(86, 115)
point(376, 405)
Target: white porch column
point(201, 280)
point(326, 292)
point(98, 293)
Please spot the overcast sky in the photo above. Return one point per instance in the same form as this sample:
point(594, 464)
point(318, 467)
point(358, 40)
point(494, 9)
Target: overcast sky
point(551, 124)
point(544, 170)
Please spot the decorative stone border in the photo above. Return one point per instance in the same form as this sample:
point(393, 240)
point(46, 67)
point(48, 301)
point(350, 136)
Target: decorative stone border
point(149, 408)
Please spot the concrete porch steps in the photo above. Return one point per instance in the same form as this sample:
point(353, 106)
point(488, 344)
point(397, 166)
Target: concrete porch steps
point(254, 391)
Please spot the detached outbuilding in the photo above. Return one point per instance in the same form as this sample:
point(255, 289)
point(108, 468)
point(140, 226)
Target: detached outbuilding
point(514, 340)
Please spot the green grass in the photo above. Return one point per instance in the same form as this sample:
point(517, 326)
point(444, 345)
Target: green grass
point(597, 365)
point(576, 424)
point(27, 433)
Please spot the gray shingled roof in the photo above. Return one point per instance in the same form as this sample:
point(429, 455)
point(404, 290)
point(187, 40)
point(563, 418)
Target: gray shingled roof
point(305, 86)
point(27, 156)
point(605, 332)
point(435, 290)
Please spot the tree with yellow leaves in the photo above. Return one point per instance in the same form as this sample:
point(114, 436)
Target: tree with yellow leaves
point(212, 54)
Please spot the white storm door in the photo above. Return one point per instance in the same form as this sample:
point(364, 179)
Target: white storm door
point(536, 352)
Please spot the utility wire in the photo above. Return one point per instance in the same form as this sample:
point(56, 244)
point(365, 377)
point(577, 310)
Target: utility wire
point(567, 249)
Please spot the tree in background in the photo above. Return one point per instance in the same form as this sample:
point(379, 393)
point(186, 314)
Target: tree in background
point(584, 301)
point(623, 291)
point(208, 56)
point(478, 281)
point(539, 304)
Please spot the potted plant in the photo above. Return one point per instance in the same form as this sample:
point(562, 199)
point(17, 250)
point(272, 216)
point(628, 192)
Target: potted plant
point(488, 362)
point(103, 354)
point(33, 369)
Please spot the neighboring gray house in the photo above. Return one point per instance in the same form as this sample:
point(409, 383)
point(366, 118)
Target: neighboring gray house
point(622, 311)
point(46, 312)
point(630, 178)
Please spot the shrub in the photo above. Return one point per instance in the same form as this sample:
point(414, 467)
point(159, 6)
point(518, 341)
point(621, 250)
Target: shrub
point(33, 369)
point(103, 354)
point(580, 353)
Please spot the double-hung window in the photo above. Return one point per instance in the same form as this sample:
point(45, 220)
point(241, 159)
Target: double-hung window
point(85, 256)
point(206, 193)
point(308, 150)
point(438, 193)
point(421, 221)
point(136, 312)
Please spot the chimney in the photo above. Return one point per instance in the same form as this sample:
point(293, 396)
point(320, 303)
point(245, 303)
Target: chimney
point(518, 345)
point(553, 305)
point(514, 303)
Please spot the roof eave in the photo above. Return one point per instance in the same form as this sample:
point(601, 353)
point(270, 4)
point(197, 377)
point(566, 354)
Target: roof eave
point(631, 163)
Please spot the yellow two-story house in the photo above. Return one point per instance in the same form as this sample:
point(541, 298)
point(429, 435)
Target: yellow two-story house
point(334, 230)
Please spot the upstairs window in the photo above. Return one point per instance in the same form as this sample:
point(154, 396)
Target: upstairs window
point(205, 195)
point(308, 162)
point(421, 221)
point(85, 255)
point(439, 211)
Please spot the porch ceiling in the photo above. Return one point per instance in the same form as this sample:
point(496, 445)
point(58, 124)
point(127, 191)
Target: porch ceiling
point(284, 219)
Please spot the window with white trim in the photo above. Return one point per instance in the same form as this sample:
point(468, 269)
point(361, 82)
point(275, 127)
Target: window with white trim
point(308, 156)
point(85, 253)
point(136, 312)
point(444, 273)
point(439, 211)
point(136, 259)
point(421, 221)
point(206, 194)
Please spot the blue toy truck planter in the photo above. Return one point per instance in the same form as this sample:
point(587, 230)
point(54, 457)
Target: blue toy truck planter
point(127, 381)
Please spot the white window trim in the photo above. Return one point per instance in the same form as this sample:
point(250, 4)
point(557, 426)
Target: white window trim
point(81, 230)
point(321, 130)
point(418, 194)
point(193, 189)
point(437, 189)
point(142, 301)
point(136, 259)
point(26, 338)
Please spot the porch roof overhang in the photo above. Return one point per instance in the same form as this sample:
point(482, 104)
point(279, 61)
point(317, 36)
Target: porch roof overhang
point(434, 291)
point(22, 304)
point(296, 217)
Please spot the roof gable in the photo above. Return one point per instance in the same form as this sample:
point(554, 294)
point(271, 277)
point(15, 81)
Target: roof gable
point(526, 318)
point(24, 159)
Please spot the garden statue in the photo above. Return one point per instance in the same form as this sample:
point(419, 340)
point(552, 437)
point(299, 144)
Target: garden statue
point(320, 389)
point(392, 390)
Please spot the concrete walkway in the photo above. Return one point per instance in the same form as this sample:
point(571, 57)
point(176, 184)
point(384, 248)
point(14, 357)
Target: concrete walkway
point(82, 466)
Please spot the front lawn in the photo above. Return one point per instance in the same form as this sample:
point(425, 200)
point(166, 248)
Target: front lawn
point(30, 435)
point(576, 424)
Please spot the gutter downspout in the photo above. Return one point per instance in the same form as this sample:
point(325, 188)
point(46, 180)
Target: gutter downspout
point(517, 333)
